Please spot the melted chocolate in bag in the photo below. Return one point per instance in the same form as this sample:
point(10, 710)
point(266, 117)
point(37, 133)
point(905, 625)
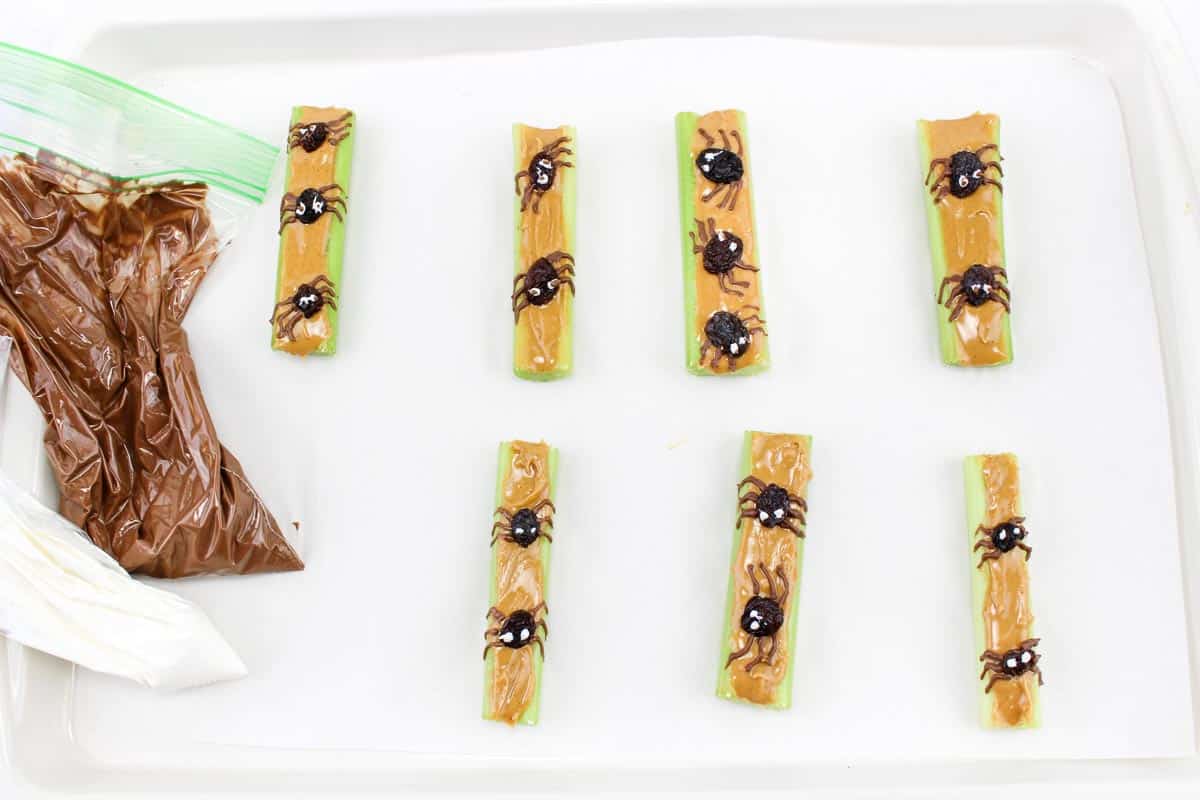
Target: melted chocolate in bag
point(95, 280)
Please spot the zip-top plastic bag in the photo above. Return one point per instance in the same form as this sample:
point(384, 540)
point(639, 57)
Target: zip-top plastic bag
point(113, 205)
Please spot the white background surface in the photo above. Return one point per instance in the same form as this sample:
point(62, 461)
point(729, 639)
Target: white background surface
point(880, 377)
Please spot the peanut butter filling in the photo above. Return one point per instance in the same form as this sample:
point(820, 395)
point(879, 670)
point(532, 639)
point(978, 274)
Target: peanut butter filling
point(740, 220)
point(1007, 617)
point(784, 460)
point(304, 249)
point(972, 233)
point(542, 330)
point(519, 581)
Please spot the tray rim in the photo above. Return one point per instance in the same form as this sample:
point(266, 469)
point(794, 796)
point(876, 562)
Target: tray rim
point(1174, 99)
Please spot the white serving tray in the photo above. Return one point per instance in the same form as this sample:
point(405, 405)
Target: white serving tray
point(368, 678)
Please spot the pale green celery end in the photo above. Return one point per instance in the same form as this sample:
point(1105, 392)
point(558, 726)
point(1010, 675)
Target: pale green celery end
point(783, 697)
point(566, 345)
point(976, 509)
point(503, 458)
point(946, 338)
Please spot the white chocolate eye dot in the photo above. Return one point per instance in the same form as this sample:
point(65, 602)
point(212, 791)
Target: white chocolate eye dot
point(524, 634)
point(506, 637)
point(733, 247)
point(1026, 657)
point(779, 513)
point(764, 516)
point(534, 292)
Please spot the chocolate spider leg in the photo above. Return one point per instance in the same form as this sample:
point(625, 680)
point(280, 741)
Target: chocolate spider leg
point(526, 196)
point(988, 555)
point(800, 501)
point(546, 535)
point(568, 282)
point(726, 288)
point(1038, 671)
point(770, 581)
point(563, 164)
point(986, 147)
point(537, 199)
point(545, 628)
point(749, 267)
point(749, 307)
point(329, 302)
point(787, 525)
point(332, 209)
point(992, 682)
point(734, 656)
point(1025, 645)
point(981, 543)
point(737, 137)
point(760, 658)
point(748, 513)
point(957, 310)
point(291, 331)
point(489, 646)
point(737, 192)
point(545, 502)
point(541, 648)
point(753, 580)
point(517, 181)
point(942, 191)
point(695, 247)
point(999, 298)
point(490, 632)
point(317, 281)
point(758, 483)
point(753, 318)
point(784, 581)
point(937, 162)
point(724, 138)
point(708, 140)
point(517, 309)
point(761, 330)
point(948, 280)
point(999, 188)
point(540, 607)
point(496, 614)
point(286, 220)
point(703, 352)
point(556, 143)
point(1028, 550)
point(1018, 520)
point(504, 512)
point(995, 164)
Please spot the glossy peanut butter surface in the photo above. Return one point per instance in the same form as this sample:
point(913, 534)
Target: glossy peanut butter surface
point(740, 221)
point(785, 460)
point(1007, 617)
point(304, 249)
point(542, 330)
point(971, 233)
point(519, 580)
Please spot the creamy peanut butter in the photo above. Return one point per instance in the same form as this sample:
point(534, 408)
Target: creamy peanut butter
point(972, 232)
point(542, 340)
point(782, 459)
point(1007, 617)
point(740, 220)
point(519, 581)
point(304, 250)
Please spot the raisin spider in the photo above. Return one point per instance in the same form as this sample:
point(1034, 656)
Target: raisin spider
point(1003, 538)
point(963, 173)
point(975, 286)
point(308, 207)
point(540, 284)
point(305, 303)
point(516, 630)
point(525, 525)
point(1011, 664)
point(543, 168)
point(762, 617)
point(728, 334)
point(311, 135)
point(771, 505)
point(723, 251)
point(722, 166)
